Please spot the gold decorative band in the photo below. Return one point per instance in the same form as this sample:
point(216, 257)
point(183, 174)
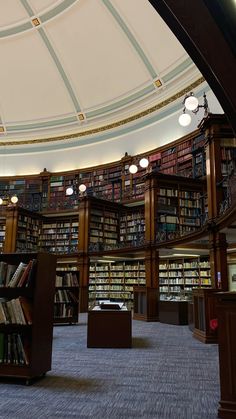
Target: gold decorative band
point(113, 125)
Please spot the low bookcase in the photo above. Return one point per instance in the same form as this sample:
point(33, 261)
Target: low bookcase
point(26, 341)
point(66, 301)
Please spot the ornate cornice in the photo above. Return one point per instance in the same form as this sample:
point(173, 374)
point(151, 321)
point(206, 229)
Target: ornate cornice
point(113, 125)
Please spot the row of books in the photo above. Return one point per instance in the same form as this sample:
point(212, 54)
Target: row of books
point(17, 276)
point(15, 311)
point(69, 279)
point(65, 296)
point(14, 349)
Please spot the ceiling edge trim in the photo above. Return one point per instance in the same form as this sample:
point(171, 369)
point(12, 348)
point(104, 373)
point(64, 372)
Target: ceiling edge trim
point(108, 126)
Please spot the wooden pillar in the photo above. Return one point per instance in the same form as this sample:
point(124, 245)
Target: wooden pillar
point(83, 247)
point(11, 229)
point(226, 312)
point(146, 298)
point(218, 261)
point(83, 265)
point(217, 134)
point(150, 199)
point(212, 129)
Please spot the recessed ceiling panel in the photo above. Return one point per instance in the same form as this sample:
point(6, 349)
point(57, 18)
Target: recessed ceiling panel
point(30, 85)
point(11, 12)
point(39, 6)
point(99, 59)
point(154, 36)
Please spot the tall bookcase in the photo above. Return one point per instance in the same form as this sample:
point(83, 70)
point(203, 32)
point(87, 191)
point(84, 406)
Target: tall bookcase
point(36, 335)
point(179, 276)
point(60, 234)
point(228, 171)
point(180, 207)
point(115, 280)
point(22, 231)
point(132, 226)
point(103, 225)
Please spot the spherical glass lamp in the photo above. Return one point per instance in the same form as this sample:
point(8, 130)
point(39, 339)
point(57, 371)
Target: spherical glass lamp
point(14, 199)
point(69, 191)
point(144, 162)
point(82, 187)
point(184, 119)
point(191, 103)
point(133, 169)
point(1, 201)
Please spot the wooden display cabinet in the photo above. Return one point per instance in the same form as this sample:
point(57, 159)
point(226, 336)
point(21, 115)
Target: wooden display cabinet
point(145, 303)
point(109, 329)
point(173, 312)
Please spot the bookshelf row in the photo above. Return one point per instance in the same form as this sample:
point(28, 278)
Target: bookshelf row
point(178, 277)
point(47, 191)
point(115, 280)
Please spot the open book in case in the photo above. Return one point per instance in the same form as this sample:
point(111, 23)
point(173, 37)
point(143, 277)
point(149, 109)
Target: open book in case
point(26, 314)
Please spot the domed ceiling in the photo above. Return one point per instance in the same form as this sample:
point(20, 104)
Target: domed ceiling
point(74, 73)
point(71, 68)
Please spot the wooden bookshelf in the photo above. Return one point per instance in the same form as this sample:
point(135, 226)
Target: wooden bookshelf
point(132, 226)
point(60, 234)
point(180, 206)
point(115, 280)
point(66, 300)
point(33, 358)
point(22, 231)
point(47, 191)
point(179, 276)
point(103, 225)
point(228, 172)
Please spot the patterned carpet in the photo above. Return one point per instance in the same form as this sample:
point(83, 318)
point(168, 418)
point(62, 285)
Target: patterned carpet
point(166, 375)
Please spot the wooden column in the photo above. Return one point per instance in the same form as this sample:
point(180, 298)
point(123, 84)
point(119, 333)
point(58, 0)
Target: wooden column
point(218, 261)
point(11, 229)
point(146, 298)
point(83, 247)
point(83, 265)
point(150, 199)
point(226, 312)
point(212, 129)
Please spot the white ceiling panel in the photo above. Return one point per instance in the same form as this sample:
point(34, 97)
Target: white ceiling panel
point(41, 5)
point(96, 54)
point(31, 87)
point(156, 38)
point(11, 12)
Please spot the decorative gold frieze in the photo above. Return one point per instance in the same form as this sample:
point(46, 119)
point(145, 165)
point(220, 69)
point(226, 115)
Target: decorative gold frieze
point(113, 125)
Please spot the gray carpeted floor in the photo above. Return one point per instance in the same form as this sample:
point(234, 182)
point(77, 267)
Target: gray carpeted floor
point(166, 375)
